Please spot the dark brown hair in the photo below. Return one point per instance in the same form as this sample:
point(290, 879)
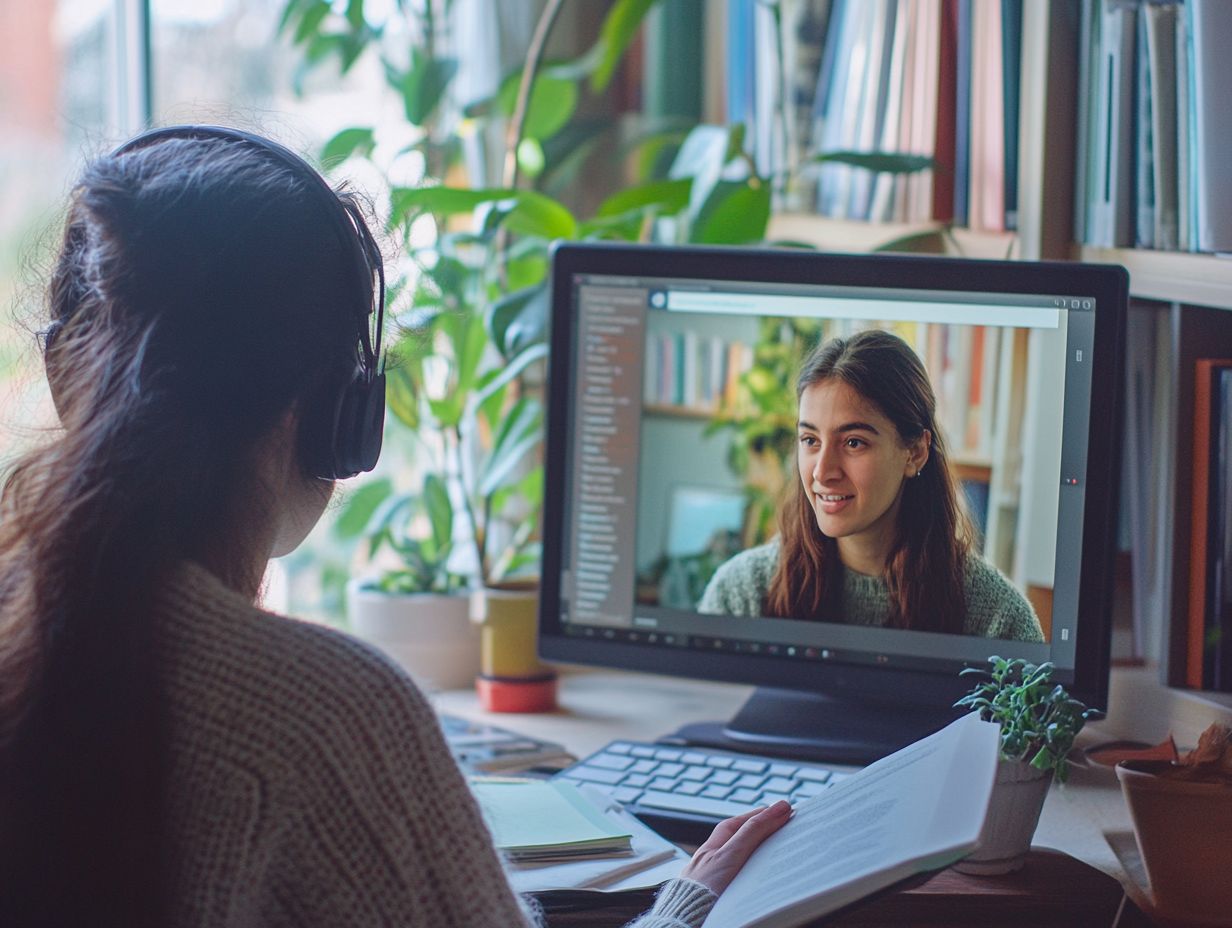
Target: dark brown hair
point(199, 295)
point(925, 567)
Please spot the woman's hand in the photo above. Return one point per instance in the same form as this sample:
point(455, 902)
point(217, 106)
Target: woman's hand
point(716, 863)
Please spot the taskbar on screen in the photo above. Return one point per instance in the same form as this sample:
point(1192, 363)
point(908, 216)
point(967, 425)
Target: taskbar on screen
point(771, 649)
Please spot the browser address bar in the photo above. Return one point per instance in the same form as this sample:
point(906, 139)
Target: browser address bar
point(827, 307)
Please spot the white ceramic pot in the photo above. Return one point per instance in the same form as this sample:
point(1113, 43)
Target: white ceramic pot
point(1013, 812)
point(429, 634)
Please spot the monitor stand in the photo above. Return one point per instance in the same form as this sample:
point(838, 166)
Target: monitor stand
point(810, 726)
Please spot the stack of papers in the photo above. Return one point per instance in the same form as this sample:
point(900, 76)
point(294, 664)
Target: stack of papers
point(547, 820)
point(482, 748)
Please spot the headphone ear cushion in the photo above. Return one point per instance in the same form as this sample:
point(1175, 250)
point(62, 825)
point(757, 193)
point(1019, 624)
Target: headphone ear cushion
point(359, 427)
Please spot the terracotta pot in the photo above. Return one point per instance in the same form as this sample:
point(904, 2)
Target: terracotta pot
point(1183, 828)
point(429, 634)
point(1013, 812)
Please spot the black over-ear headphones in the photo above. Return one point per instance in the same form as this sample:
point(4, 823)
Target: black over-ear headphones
point(350, 437)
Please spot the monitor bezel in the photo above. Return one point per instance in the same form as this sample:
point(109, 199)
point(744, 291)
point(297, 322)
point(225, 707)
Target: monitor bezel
point(1108, 285)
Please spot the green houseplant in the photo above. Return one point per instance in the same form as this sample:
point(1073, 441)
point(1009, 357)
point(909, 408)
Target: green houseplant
point(1039, 721)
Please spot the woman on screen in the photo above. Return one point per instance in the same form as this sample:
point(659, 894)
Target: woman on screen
point(171, 754)
point(873, 533)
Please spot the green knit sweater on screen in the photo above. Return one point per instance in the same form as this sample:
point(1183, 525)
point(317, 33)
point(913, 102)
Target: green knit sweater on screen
point(995, 607)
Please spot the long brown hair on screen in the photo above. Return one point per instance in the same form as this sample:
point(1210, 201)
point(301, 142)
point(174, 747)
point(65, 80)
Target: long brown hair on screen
point(198, 297)
point(925, 567)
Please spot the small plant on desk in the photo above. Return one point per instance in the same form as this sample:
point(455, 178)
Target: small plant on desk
point(1039, 721)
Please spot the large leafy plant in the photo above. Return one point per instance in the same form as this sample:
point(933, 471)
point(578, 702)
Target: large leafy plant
point(1039, 719)
point(465, 376)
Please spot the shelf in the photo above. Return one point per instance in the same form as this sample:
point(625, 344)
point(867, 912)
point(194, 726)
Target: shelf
point(851, 235)
point(1175, 277)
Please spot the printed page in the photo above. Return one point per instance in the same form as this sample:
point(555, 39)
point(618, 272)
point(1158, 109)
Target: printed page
point(924, 804)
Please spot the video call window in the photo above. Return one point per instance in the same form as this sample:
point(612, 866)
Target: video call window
point(719, 444)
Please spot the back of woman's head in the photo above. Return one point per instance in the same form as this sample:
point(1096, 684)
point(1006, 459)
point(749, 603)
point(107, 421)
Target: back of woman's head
point(201, 294)
point(924, 570)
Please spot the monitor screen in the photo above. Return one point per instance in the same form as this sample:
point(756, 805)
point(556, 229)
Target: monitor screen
point(841, 475)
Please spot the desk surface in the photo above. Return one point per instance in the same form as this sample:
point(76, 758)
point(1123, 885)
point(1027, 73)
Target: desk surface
point(601, 706)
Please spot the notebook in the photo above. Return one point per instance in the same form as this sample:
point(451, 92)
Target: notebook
point(547, 820)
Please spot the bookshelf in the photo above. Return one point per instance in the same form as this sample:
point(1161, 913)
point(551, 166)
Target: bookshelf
point(1181, 309)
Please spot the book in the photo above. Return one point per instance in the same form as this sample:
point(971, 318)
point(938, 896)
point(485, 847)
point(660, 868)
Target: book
point(1219, 632)
point(652, 858)
point(1011, 63)
point(919, 809)
point(1160, 27)
point(1204, 541)
point(986, 198)
point(1211, 36)
point(1110, 224)
point(546, 820)
point(482, 748)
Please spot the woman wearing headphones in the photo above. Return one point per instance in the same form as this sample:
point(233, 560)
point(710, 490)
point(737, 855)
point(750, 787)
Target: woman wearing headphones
point(169, 753)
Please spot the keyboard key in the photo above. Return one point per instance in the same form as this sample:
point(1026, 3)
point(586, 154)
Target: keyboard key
point(641, 750)
point(771, 798)
point(691, 788)
point(804, 790)
point(699, 805)
point(644, 766)
point(748, 796)
point(838, 777)
point(816, 774)
point(669, 770)
point(668, 753)
point(663, 783)
point(596, 774)
point(611, 761)
point(717, 792)
point(625, 794)
point(618, 747)
point(694, 758)
point(636, 780)
point(749, 766)
point(783, 770)
point(696, 772)
point(780, 785)
point(722, 761)
point(751, 780)
point(724, 777)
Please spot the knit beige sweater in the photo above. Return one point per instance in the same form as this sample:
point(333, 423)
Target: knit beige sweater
point(310, 784)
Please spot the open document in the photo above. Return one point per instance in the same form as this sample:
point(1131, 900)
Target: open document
point(919, 809)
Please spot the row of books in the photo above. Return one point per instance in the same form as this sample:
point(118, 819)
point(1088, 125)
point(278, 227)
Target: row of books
point(1154, 128)
point(1209, 638)
point(928, 77)
point(694, 372)
point(700, 373)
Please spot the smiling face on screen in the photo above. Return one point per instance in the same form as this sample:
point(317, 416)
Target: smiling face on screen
point(853, 465)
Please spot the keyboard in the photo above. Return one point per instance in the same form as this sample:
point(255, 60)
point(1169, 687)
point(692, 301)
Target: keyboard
point(683, 792)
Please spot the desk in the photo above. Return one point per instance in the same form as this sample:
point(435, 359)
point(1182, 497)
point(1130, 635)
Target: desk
point(602, 706)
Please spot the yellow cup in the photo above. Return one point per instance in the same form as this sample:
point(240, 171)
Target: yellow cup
point(508, 620)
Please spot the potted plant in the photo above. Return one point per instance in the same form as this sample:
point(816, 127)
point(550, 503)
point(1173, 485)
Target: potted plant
point(1039, 721)
point(412, 609)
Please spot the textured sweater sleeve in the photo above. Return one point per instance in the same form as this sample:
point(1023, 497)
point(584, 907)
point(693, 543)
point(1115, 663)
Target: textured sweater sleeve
point(680, 904)
point(386, 831)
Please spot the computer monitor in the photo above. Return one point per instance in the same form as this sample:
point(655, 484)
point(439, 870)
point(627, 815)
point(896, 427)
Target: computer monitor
point(677, 457)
